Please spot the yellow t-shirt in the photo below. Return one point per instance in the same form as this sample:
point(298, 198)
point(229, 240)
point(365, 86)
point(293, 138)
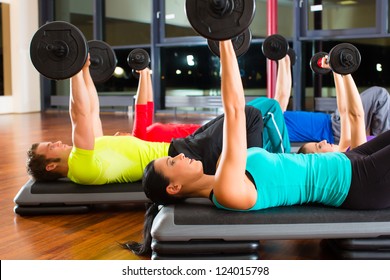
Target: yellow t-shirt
point(115, 159)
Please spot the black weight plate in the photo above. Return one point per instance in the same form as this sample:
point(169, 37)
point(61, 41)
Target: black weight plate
point(58, 50)
point(208, 20)
point(314, 64)
point(241, 44)
point(275, 47)
point(103, 61)
point(293, 56)
point(138, 59)
point(344, 59)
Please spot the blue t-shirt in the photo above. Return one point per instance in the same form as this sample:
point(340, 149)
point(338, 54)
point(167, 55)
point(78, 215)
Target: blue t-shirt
point(308, 126)
point(293, 179)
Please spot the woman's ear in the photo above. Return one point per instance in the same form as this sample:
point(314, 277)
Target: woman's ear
point(173, 189)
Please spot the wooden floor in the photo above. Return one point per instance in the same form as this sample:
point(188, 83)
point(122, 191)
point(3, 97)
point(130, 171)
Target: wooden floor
point(94, 235)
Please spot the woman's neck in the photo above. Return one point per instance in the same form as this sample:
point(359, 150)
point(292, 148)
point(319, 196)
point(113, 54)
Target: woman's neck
point(202, 187)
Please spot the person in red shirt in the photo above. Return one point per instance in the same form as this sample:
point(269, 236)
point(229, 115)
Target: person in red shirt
point(143, 127)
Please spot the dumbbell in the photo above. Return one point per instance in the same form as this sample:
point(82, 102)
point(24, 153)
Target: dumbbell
point(138, 59)
point(219, 20)
point(241, 44)
point(103, 61)
point(343, 59)
point(59, 50)
point(275, 47)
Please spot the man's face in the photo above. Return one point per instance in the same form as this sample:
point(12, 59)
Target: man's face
point(53, 149)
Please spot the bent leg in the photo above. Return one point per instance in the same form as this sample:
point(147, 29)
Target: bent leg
point(376, 105)
point(275, 135)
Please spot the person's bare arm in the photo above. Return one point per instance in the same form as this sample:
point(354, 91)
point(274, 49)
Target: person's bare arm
point(349, 104)
point(355, 112)
point(283, 82)
point(144, 90)
point(342, 107)
point(94, 103)
point(230, 187)
point(80, 112)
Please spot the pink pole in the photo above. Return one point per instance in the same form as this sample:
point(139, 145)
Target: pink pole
point(272, 28)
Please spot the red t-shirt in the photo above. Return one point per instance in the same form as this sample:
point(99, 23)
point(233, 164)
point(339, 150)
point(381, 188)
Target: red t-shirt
point(145, 129)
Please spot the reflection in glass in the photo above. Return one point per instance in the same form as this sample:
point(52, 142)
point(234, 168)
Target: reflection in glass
point(127, 22)
point(176, 22)
point(196, 71)
point(285, 19)
point(78, 13)
point(341, 14)
point(123, 81)
point(177, 25)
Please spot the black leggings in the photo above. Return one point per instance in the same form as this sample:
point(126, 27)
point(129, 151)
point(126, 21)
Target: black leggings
point(370, 186)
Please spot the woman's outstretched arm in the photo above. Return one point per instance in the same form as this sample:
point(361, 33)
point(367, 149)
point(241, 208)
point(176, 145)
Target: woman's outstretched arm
point(342, 107)
point(230, 188)
point(355, 112)
point(283, 83)
point(141, 114)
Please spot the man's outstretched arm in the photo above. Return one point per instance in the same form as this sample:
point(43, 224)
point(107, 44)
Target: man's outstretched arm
point(80, 112)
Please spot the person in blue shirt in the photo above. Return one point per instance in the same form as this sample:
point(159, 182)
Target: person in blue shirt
point(352, 118)
point(249, 179)
point(304, 126)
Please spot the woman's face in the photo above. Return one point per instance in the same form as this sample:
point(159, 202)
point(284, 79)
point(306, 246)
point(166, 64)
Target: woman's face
point(179, 169)
point(320, 147)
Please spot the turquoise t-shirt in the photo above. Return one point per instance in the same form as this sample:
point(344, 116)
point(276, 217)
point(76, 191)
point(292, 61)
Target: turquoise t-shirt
point(115, 159)
point(293, 179)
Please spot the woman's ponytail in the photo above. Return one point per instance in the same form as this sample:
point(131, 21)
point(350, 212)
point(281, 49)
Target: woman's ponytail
point(143, 249)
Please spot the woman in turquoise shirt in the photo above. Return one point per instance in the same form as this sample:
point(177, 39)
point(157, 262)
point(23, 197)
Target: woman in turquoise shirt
point(253, 179)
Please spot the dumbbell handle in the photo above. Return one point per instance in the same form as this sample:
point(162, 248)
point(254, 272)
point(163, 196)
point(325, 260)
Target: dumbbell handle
point(346, 59)
point(94, 60)
point(222, 7)
point(58, 49)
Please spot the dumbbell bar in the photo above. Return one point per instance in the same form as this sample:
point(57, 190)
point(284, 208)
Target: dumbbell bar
point(59, 50)
point(343, 59)
point(219, 20)
point(275, 47)
point(241, 44)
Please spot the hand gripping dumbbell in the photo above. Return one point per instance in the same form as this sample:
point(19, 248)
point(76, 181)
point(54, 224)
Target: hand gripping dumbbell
point(275, 47)
point(241, 44)
point(59, 50)
point(343, 59)
point(138, 59)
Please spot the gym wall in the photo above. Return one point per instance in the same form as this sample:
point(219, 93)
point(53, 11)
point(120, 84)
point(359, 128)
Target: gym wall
point(24, 93)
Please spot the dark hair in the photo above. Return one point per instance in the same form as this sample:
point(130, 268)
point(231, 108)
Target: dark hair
point(302, 149)
point(36, 165)
point(142, 249)
point(154, 184)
